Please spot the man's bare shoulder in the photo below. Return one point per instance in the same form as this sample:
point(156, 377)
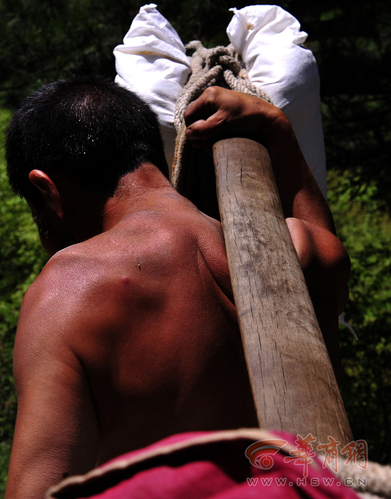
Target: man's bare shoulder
point(72, 287)
point(46, 321)
point(66, 276)
point(89, 282)
point(52, 297)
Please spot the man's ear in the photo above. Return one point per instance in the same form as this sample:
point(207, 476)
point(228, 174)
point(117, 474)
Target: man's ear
point(48, 190)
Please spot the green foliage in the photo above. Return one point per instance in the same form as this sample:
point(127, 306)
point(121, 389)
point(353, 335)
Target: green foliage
point(366, 232)
point(21, 260)
point(44, 41)
point(351, 41)
point(5, 454)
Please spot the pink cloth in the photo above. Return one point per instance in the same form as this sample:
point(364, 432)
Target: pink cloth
point(208, 465)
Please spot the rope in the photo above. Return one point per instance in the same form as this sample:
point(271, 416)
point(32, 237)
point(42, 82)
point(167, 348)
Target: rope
point(372, 483)
point(209, 67)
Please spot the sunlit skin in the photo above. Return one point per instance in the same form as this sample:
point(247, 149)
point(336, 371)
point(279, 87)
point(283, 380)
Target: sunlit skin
point(129, 334)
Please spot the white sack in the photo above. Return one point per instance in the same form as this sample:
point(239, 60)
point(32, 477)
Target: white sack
point(152, 62)
point(270, 43)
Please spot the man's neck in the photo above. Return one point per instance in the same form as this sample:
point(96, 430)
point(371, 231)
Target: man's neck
point(140, 190)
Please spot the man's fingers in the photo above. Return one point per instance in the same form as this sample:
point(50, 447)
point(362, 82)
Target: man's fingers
point(195, 112)
point(209, 102)
point(200, 130)
point(200, 109)
point(213, 124)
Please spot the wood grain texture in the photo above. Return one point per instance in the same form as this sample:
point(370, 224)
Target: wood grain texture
point(290, 371)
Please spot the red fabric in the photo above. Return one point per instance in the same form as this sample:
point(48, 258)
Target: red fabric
point(215, 470)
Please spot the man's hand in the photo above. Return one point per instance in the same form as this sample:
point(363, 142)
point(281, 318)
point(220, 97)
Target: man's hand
point(221, 113)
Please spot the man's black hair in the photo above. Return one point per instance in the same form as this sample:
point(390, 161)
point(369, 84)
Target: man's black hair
point(88, 129)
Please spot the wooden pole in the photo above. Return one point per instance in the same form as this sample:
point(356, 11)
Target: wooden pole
point(290, 372)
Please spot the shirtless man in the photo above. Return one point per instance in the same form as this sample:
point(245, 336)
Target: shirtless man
point(129, 334)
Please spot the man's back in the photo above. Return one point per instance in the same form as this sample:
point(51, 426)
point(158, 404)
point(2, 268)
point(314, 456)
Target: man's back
point(148, 321)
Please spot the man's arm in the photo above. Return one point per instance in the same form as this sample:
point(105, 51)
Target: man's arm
point(221, 113)
point(56, 431)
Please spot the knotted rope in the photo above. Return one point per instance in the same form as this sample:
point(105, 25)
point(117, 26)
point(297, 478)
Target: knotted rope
point(209, 67)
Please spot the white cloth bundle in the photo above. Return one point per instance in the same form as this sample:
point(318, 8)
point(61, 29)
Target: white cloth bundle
point(270, 43)
point(152, 62)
